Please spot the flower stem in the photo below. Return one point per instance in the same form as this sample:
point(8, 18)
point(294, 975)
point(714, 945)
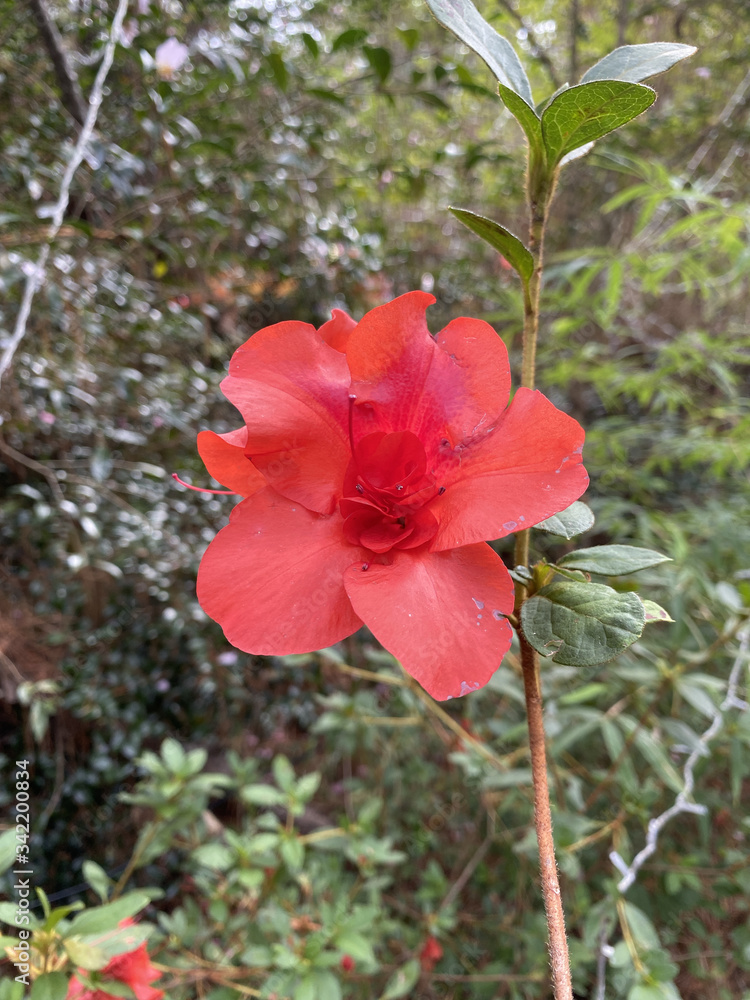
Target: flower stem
point(540, 189)
point(558, 942)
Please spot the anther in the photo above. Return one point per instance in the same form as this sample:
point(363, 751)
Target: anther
point(365, 566)
point(441, 491)
point(359, 488)
point(399, 487)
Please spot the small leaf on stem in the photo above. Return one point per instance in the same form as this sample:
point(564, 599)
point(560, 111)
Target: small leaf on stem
point(655, 612)
point(525, 115)
point(572, 521)
point(613, 560)
point(582, 624)
point(501, 239)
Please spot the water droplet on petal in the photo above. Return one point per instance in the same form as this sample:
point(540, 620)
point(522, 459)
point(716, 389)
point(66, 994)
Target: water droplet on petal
point(497, 615)
point(479, 604)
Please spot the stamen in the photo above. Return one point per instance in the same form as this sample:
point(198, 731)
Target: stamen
point(200, 489)
point(365, 566)
point(441, 491)
point(399, 487)
point(359, 488)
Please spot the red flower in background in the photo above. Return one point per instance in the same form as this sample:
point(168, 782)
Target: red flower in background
point(133, 968)
point(376, 460)
point(430, 954)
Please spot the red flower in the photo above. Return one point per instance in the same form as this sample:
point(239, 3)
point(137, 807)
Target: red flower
point(133, 968)
point(430, 954)
point(375, 461)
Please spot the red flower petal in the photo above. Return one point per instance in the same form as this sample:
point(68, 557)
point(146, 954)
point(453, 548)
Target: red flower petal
point(439, 613)
point(273, 578)
point(528, 469)
point(430, 954)
point(292, 390)
point(224, 457)
point(337, 330)
point(454, 386)
point(131, 967)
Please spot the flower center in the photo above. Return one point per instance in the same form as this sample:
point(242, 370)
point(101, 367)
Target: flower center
point(387, 490)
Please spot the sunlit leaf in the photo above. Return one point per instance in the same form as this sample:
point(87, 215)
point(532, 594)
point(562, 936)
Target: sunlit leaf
point(588, 112)
point(634, 63)
point(464, 20)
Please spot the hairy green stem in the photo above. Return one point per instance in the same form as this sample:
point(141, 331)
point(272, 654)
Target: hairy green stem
point(540, 189)
point(558, 943)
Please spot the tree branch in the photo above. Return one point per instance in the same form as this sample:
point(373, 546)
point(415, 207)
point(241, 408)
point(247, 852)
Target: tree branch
point(70, 91)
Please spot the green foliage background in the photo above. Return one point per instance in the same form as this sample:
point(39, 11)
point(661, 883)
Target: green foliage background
point(302, 160)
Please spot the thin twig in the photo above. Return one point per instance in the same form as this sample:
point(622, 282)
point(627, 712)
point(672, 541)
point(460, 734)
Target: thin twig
point(70, 90)
point(682, 803)
point(36, 276)
point(473, 863)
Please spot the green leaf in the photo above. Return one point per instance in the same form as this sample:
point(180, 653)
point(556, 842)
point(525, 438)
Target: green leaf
point(402, 981)
point(656, 756)
point(501, 239)
point(292, 852)
point(11, 990)
point(379, 60)
point(8, 912)
point(306, 989)
point(50, 986)
point(431, 100)
point(581, 624)
point(107, 917)
point(349, 39)
point(84, 955)
point(216, 856)
point(634, 63)
point(355, 945)
point(647, 991)
point(310, 44)
point(655, 612)
point(327, 985)
point(97, 878)
point(464, 20)
point(643, 931)
point(409, 36)
point(283, 773)
point(586, 693)
point(116, 988)
point(173, 755)
point(574, 520)
point(307, 786)
point(120, 940)
point(8, 845)
point(612, 560)
point(525, 115)
point(279, 70)
point(589, 111)
point(262, 795)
